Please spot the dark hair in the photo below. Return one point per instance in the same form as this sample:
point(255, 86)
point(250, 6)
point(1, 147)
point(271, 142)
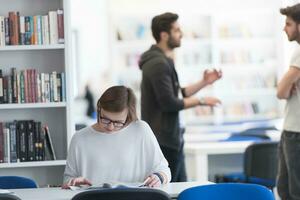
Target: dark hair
point(292, 11)
point(116, 99)
point(162, 23)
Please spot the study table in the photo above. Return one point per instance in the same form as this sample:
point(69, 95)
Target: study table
point(210, 153)
point(173, 189)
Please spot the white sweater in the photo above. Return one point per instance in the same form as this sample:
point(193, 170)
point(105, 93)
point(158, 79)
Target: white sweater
point(128, 155)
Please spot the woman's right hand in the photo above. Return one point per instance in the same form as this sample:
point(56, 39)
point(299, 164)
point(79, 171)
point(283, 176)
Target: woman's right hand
point(76, 182)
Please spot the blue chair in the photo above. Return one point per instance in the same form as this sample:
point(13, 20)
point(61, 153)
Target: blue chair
point(16, 182)
point(227, 191)
point(260, 166)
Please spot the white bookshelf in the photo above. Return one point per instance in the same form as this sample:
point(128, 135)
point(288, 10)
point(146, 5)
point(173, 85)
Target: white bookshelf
point(230, 39)
point(32, 105)
point(34, 164)
point(57, 115)
point(31, 47)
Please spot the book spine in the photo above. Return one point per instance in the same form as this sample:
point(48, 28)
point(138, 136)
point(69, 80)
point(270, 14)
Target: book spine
point(17, 27)
point(1, 88)
point(5, 89)
point(54, 86)
point(18, 87)
point(35, 30)
point(11, 16)
point(27, 31)
point(59, 90)
point(39, 30)
point(37, 131)
point(6, 144)
point(46, 29)
point(2, 31)
point(33, 85)
point(22, 31)
point(1, 143)
point(22, 131)
point(31, 141)
point(47, 87)
point(13, 142)
point(32, 41)
point(53, 27)
point(14, 86)
point(22, 87)
point(7, 39)
point(63, 87)
point(60, 26)
point(10, 89)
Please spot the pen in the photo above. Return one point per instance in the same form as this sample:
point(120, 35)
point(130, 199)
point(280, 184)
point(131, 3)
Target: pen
point(144, 183)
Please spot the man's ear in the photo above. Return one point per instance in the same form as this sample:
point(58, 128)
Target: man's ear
point(164, 36)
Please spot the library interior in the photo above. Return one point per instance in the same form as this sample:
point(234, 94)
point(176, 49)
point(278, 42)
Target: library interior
point(196, 98)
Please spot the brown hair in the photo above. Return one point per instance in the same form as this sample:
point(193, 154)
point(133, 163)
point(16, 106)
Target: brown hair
point(292, 11)
point(162, 23)
point(116, 99)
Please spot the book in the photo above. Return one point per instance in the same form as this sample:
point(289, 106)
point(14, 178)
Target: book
point(1, 143)
point(49, 150)
point(13, 142)
point(22, 140)
point(53, 32)
point(31, 141)
point(60, 26)
point(1, 88)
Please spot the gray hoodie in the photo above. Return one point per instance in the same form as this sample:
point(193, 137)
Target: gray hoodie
point(160, 104)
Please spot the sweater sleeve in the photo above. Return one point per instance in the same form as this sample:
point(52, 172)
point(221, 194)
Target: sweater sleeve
point(71, 168)
point(154, 153)
point(161, 82)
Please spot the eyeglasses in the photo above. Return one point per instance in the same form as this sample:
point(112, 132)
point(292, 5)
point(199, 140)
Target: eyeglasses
point(116, 124)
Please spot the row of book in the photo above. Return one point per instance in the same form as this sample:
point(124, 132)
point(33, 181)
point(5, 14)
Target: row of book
point(32, 30)
point(29, 86)
point(25, 140)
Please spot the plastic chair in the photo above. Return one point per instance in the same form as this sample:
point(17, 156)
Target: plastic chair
point(9, 197)
point(123, 194)
point(16, 182)
point(227, 191)
point(260, 166)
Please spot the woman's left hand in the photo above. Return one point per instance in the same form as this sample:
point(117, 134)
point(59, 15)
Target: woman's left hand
point(152, 181)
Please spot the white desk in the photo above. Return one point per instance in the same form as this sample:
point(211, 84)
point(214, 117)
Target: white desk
point(197, 156)
point(173, 189)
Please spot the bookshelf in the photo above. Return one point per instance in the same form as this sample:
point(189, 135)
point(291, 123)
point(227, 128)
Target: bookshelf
point(229, 39)
point(57, 115)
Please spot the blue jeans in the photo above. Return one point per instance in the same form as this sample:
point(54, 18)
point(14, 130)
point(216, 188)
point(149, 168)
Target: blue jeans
point(288, 180)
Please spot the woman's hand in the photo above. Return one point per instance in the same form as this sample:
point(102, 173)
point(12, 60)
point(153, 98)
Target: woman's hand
point(152, 181)
point(77, 182)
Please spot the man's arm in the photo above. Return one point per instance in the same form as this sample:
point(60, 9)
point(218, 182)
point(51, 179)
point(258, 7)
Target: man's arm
point(190, 102)
point(284, 88)
point(209, 77)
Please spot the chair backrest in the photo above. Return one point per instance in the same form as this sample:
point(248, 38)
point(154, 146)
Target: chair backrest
point(261, 160)
point(16, 182)
point(9, 197)
point(123, 194)
point(227, 191)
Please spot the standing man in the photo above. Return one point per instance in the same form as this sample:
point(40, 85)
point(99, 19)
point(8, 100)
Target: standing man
point(160, 101)
point(288, 88)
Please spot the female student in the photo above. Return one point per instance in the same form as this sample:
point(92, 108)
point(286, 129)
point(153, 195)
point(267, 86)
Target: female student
point(118, 148)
